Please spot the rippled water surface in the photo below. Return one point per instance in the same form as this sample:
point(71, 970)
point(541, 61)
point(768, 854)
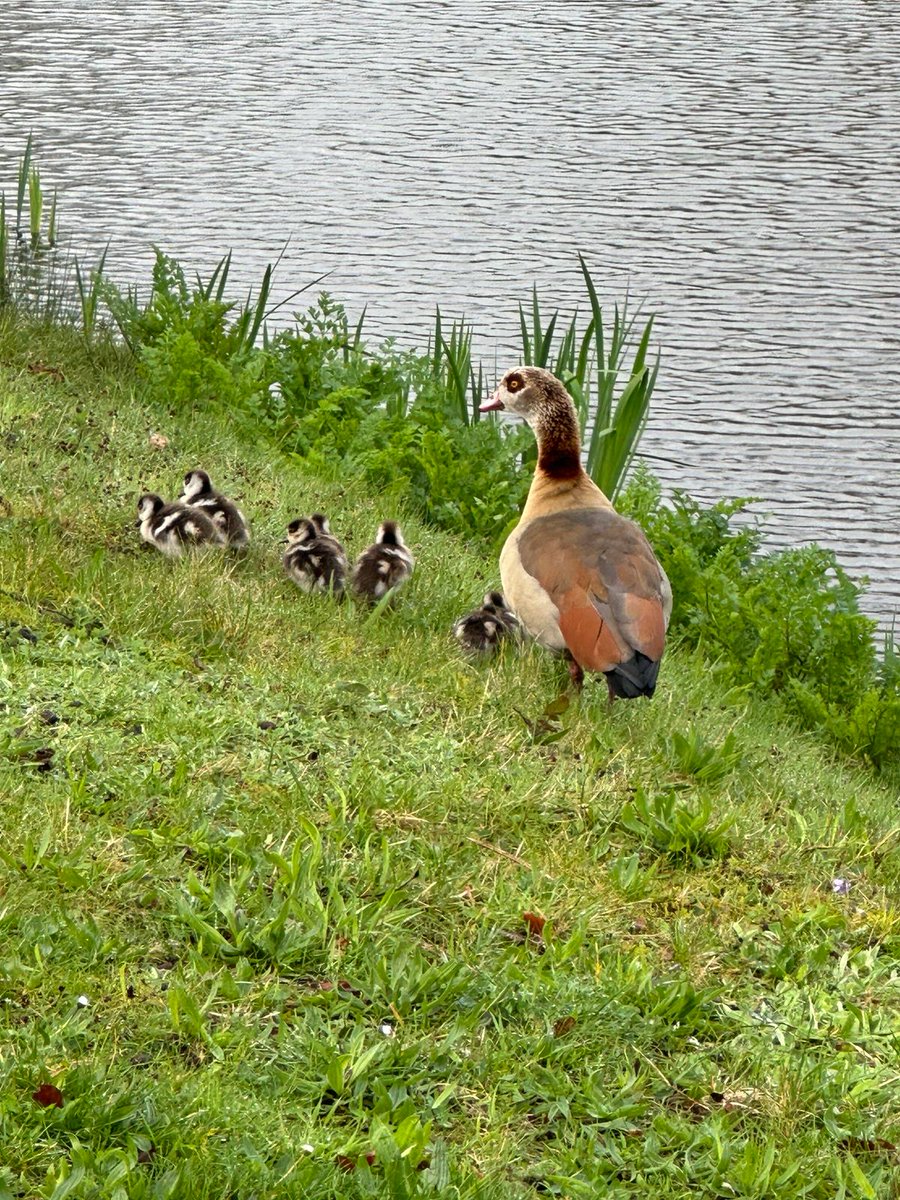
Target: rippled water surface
point(737, 166)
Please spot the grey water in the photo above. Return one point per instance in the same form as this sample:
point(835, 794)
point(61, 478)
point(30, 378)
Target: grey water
point(736, 167)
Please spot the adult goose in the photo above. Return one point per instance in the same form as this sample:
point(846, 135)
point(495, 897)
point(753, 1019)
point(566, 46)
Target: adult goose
point(580, 578)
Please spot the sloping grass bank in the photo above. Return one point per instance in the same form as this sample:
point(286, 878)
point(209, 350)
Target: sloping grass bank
point(297, 902)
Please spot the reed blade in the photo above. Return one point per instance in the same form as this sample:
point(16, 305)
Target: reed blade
point(35, 207)
point(4, 252)
point(526, 338)
point(24, 173)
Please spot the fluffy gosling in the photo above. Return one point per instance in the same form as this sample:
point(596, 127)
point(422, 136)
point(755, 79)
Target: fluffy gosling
point(174, 528)
point(481, 632)
point(199, 492)
point(315, 560)
point(384, 566)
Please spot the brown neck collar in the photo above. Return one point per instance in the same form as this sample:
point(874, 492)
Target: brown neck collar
point(559, 445)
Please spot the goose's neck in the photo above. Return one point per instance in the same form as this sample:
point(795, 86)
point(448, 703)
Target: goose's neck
point(559, 444)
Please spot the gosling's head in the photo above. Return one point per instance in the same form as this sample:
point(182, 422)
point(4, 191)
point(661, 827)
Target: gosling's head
point(197, 484)
point(493, 602)
point(530, 392)
point(320, 521)
point(300, 531)
point(149, 505)
point(389, 534)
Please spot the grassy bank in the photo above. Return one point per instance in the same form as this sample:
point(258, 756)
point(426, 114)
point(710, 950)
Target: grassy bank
point(275, 872)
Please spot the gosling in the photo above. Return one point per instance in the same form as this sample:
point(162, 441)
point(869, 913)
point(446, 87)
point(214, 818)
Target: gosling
point(384, 566)
point(482, 631)
point(198, 492)
point(315, 560)
point(174, 528)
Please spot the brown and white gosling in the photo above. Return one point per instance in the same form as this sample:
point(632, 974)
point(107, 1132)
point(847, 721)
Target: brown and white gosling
point(174, 528)
point(315, 560)
point(384, 566)
point(483, 630)
point(199, 492)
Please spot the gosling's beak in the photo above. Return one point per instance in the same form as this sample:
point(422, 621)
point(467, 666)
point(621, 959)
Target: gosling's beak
point(493, 404)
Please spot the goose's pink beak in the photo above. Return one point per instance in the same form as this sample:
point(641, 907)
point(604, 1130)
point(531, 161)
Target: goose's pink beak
point(493, 404)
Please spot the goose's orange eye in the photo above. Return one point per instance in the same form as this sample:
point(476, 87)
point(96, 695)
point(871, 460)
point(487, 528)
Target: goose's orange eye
point(514, 384)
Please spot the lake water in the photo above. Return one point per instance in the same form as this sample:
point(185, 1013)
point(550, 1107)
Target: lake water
point(737, 167)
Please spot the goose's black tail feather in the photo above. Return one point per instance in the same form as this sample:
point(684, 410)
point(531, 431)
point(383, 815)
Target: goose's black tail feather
point(634, 678)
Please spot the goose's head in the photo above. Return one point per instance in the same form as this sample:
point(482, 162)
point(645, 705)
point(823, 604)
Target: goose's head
point(197, 484)
point(529, 392)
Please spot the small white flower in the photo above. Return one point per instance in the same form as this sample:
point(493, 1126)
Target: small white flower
point(307, 1148)
point(386, 1028)
point(840, 887)
point(82, 1002)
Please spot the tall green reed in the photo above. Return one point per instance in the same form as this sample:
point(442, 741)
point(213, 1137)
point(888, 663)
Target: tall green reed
point(592, 362)
point(33, 275)
point(452, 368)
point(89, 285)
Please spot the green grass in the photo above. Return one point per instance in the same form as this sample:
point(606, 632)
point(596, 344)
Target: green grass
point(265, 863)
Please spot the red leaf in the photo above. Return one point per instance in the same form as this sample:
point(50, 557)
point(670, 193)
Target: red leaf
point(348, 1164)
point(535, 923)
point(47, 1096)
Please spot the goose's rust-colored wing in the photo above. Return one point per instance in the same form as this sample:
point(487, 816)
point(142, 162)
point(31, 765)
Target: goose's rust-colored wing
point(600, 572)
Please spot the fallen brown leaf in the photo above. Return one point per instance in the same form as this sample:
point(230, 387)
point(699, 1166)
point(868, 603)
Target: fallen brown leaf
point(867, 1145)
point(564, 1025)
point(535, 923)
point(348, 1164)
point(48, 1096)
point(39, 368)
point(158, 441)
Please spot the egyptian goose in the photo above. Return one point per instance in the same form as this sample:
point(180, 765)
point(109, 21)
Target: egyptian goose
point(482, 631)
point(199, 492)
point(315, 560)
point(384, 566)
point(580, 578)
point(174, 528)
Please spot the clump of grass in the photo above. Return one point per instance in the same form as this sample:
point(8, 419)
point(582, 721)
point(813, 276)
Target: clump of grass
point(680, 828)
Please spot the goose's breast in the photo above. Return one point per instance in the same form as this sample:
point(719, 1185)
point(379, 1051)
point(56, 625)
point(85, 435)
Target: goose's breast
point(536, 611)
